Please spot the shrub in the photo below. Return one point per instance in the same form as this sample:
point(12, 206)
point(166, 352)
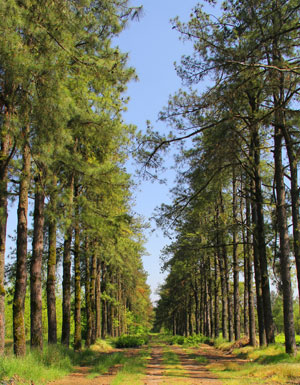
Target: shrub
point(131, 341)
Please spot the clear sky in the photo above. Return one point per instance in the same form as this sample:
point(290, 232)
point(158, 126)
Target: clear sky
point(153, 47)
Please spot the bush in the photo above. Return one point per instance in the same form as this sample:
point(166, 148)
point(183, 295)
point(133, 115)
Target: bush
point(131, 341)
point(177, 340)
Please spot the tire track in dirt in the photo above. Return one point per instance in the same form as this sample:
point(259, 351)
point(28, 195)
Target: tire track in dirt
point(155, 369)
point(196, 373)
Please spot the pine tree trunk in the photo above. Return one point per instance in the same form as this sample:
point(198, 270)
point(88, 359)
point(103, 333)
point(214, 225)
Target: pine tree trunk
point(258, 284)
point(4, 153)
point(98, 300)
point(36, 330)
point(21, 268)
point(216, 302)
point(236, 293)
point(261, 244)
point(51, 272)
point(66, 304)
point(77, 314)
point(93, 295)
point(88, 307)
point(289, 329)
point(295, 198)
point(252, 328)
point(246, 275)
point(224, 296)
point(197, 307)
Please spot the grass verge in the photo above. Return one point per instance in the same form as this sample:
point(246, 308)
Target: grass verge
point(268, 365)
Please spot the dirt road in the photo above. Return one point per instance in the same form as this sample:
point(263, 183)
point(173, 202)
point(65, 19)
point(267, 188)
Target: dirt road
point(189, 368)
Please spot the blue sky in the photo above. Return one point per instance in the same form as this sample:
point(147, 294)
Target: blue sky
point(153, 47)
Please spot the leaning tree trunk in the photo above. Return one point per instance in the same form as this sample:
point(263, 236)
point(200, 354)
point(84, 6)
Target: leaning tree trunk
point(51, 272)
point(36, 330)
point(21, 268)
point(289, 329)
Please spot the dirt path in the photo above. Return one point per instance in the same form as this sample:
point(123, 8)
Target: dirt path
point(188, 372)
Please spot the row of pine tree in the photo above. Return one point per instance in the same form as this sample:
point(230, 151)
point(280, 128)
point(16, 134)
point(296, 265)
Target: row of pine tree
point(235, 211)
point(63, 145)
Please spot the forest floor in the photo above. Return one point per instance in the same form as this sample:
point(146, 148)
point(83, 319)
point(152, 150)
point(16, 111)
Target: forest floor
point(161, 364)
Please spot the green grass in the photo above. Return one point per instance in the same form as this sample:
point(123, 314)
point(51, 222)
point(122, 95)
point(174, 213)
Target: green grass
point(56, 362)
point(133, 370)
point(267, 365)
point(53, 363)
point(104, 362)
point(172, 365)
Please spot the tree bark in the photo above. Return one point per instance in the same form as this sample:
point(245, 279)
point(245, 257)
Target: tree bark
point(252, 328)
point(4, 154)
point(93, 294)
point(51, 272)
point(98, 300)
point(289, 329)
point(236, 293)
point(258, 284)
point(216, 295)
point(259, 233)
point(36, 330)
point(66, 304)
point(21, 268)
point(88, 306)
point(77, 314)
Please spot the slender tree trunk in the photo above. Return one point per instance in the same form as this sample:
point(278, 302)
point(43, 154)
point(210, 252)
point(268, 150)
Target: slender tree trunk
point(252, 328)
point(236, 293)
point(66, 304)
point(197, 307)
point(261, 244)
point(293, 165)
point(4, 155)
point(21, 272)
point(51, 273)
point(289, 329)
point(246, 274)
point(36, 308)
point(258, 283)
point(98, 300)
point(224, 298)
point(93, 294)
point(77, 314)
point(217, 315)
point(88, 305)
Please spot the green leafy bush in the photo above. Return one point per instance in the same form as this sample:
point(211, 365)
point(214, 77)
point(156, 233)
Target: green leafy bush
point(177, 340)
point(131, 341)
point(280, 339)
